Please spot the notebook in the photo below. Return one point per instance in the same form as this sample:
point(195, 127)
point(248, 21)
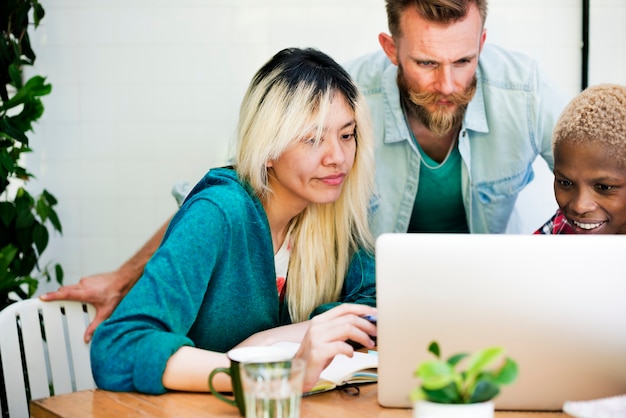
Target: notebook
point(342, 370)
point(557, 304)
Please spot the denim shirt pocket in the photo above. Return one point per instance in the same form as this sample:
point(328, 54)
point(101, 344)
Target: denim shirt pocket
point(497, 198)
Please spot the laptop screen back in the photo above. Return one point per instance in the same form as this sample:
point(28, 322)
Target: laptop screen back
point(557, 304)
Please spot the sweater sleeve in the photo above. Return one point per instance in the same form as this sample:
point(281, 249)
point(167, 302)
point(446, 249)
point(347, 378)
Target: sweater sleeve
point(359, 285)
point(130, 350)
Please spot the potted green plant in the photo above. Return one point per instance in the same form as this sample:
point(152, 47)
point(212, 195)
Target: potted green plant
point(24, 218)
point(463, 385)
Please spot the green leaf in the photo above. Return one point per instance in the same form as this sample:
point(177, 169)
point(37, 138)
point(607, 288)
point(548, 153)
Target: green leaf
point(417, 394)
point(54, 219)
point(22, 174)
point(8, 284)
point(484, 391)
point(34, 87)
point(31, 112)
point(40, 237)
point(456, 359)
point(44, 210)
point(440, 381)
point(16, 75)
point(49, 198)
point(435, 374)
point(24, 219)
point(25, 265)
point(58, 270)
point(507, 373)
point(7, 213)
point(447, 394)
point(7, 254)
point(434, 348)
point(23, 200)
point(38, 13)
point(7, 127)
point(482, 360)
point(31, 284)
point(4, 183)
point(7, 164)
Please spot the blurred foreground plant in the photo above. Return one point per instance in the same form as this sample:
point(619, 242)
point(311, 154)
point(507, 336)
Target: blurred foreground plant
point(441, 381)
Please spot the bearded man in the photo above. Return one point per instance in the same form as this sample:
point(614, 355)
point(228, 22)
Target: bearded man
point(458, 122)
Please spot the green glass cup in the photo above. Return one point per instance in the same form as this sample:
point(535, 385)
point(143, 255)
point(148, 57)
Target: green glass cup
point(237, 357)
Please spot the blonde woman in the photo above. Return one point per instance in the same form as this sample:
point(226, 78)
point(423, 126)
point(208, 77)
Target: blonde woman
point(276, 247)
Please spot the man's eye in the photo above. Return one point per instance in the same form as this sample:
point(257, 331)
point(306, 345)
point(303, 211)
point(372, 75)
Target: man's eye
point(604, 187)
point(565, 183)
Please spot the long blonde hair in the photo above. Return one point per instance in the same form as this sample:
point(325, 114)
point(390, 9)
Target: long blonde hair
point(288, 96)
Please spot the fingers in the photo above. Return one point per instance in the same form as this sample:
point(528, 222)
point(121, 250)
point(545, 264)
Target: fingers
point(91, 329)
point(327, 335)
point(95, 290)
point(316, 361)
point(71, 292)
point(357, 330)
point(54, 295)
point(345, 322)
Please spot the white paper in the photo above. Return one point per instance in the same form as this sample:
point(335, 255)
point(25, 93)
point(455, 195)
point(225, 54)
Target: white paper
point(342, 366)
point(613, 407)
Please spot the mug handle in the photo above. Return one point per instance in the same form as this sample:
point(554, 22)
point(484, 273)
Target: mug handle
point(230, 401)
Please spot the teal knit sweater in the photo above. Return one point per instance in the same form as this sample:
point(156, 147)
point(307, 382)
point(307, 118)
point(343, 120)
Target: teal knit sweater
point(211, 284)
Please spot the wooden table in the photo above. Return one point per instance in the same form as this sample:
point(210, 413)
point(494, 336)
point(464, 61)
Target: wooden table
point(100, 404)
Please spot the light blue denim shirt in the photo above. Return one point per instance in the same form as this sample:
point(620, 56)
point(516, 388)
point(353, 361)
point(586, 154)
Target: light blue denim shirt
point(507, 124)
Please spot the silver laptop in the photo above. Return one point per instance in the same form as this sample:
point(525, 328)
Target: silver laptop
point(557, 304)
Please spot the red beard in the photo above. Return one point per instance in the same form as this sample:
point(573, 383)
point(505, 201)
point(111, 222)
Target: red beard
point(443, 120)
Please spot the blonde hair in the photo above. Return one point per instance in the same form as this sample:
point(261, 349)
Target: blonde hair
point(287, 98)
point(598, 116)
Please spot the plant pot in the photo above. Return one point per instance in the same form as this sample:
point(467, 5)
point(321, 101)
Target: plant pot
point(426, 409)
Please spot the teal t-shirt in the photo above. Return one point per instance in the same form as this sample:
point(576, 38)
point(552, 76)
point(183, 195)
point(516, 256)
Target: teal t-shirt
point(439, 202)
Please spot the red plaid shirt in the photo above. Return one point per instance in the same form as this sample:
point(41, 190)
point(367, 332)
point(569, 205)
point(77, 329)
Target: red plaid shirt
point(556, 225)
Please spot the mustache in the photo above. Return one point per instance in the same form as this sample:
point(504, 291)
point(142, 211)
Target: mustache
point(440, 120)
point(458, 99)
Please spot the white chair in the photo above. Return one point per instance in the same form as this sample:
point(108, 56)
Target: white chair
point(42, 352)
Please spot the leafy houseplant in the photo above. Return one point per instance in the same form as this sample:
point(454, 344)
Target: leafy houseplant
point(23, 218)
point(442, 381)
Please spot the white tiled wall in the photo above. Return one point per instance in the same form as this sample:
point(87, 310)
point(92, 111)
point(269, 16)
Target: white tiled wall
point(607, 48)
point(146, 93)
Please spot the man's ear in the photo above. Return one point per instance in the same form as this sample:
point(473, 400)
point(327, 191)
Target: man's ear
point(483, 37)
point(389, 46)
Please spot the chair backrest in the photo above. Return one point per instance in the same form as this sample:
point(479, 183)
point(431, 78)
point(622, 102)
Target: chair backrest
point(42, 352)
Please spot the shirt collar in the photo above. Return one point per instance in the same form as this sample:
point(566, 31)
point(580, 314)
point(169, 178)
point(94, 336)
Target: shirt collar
point(394, 117)
point(476, 116)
